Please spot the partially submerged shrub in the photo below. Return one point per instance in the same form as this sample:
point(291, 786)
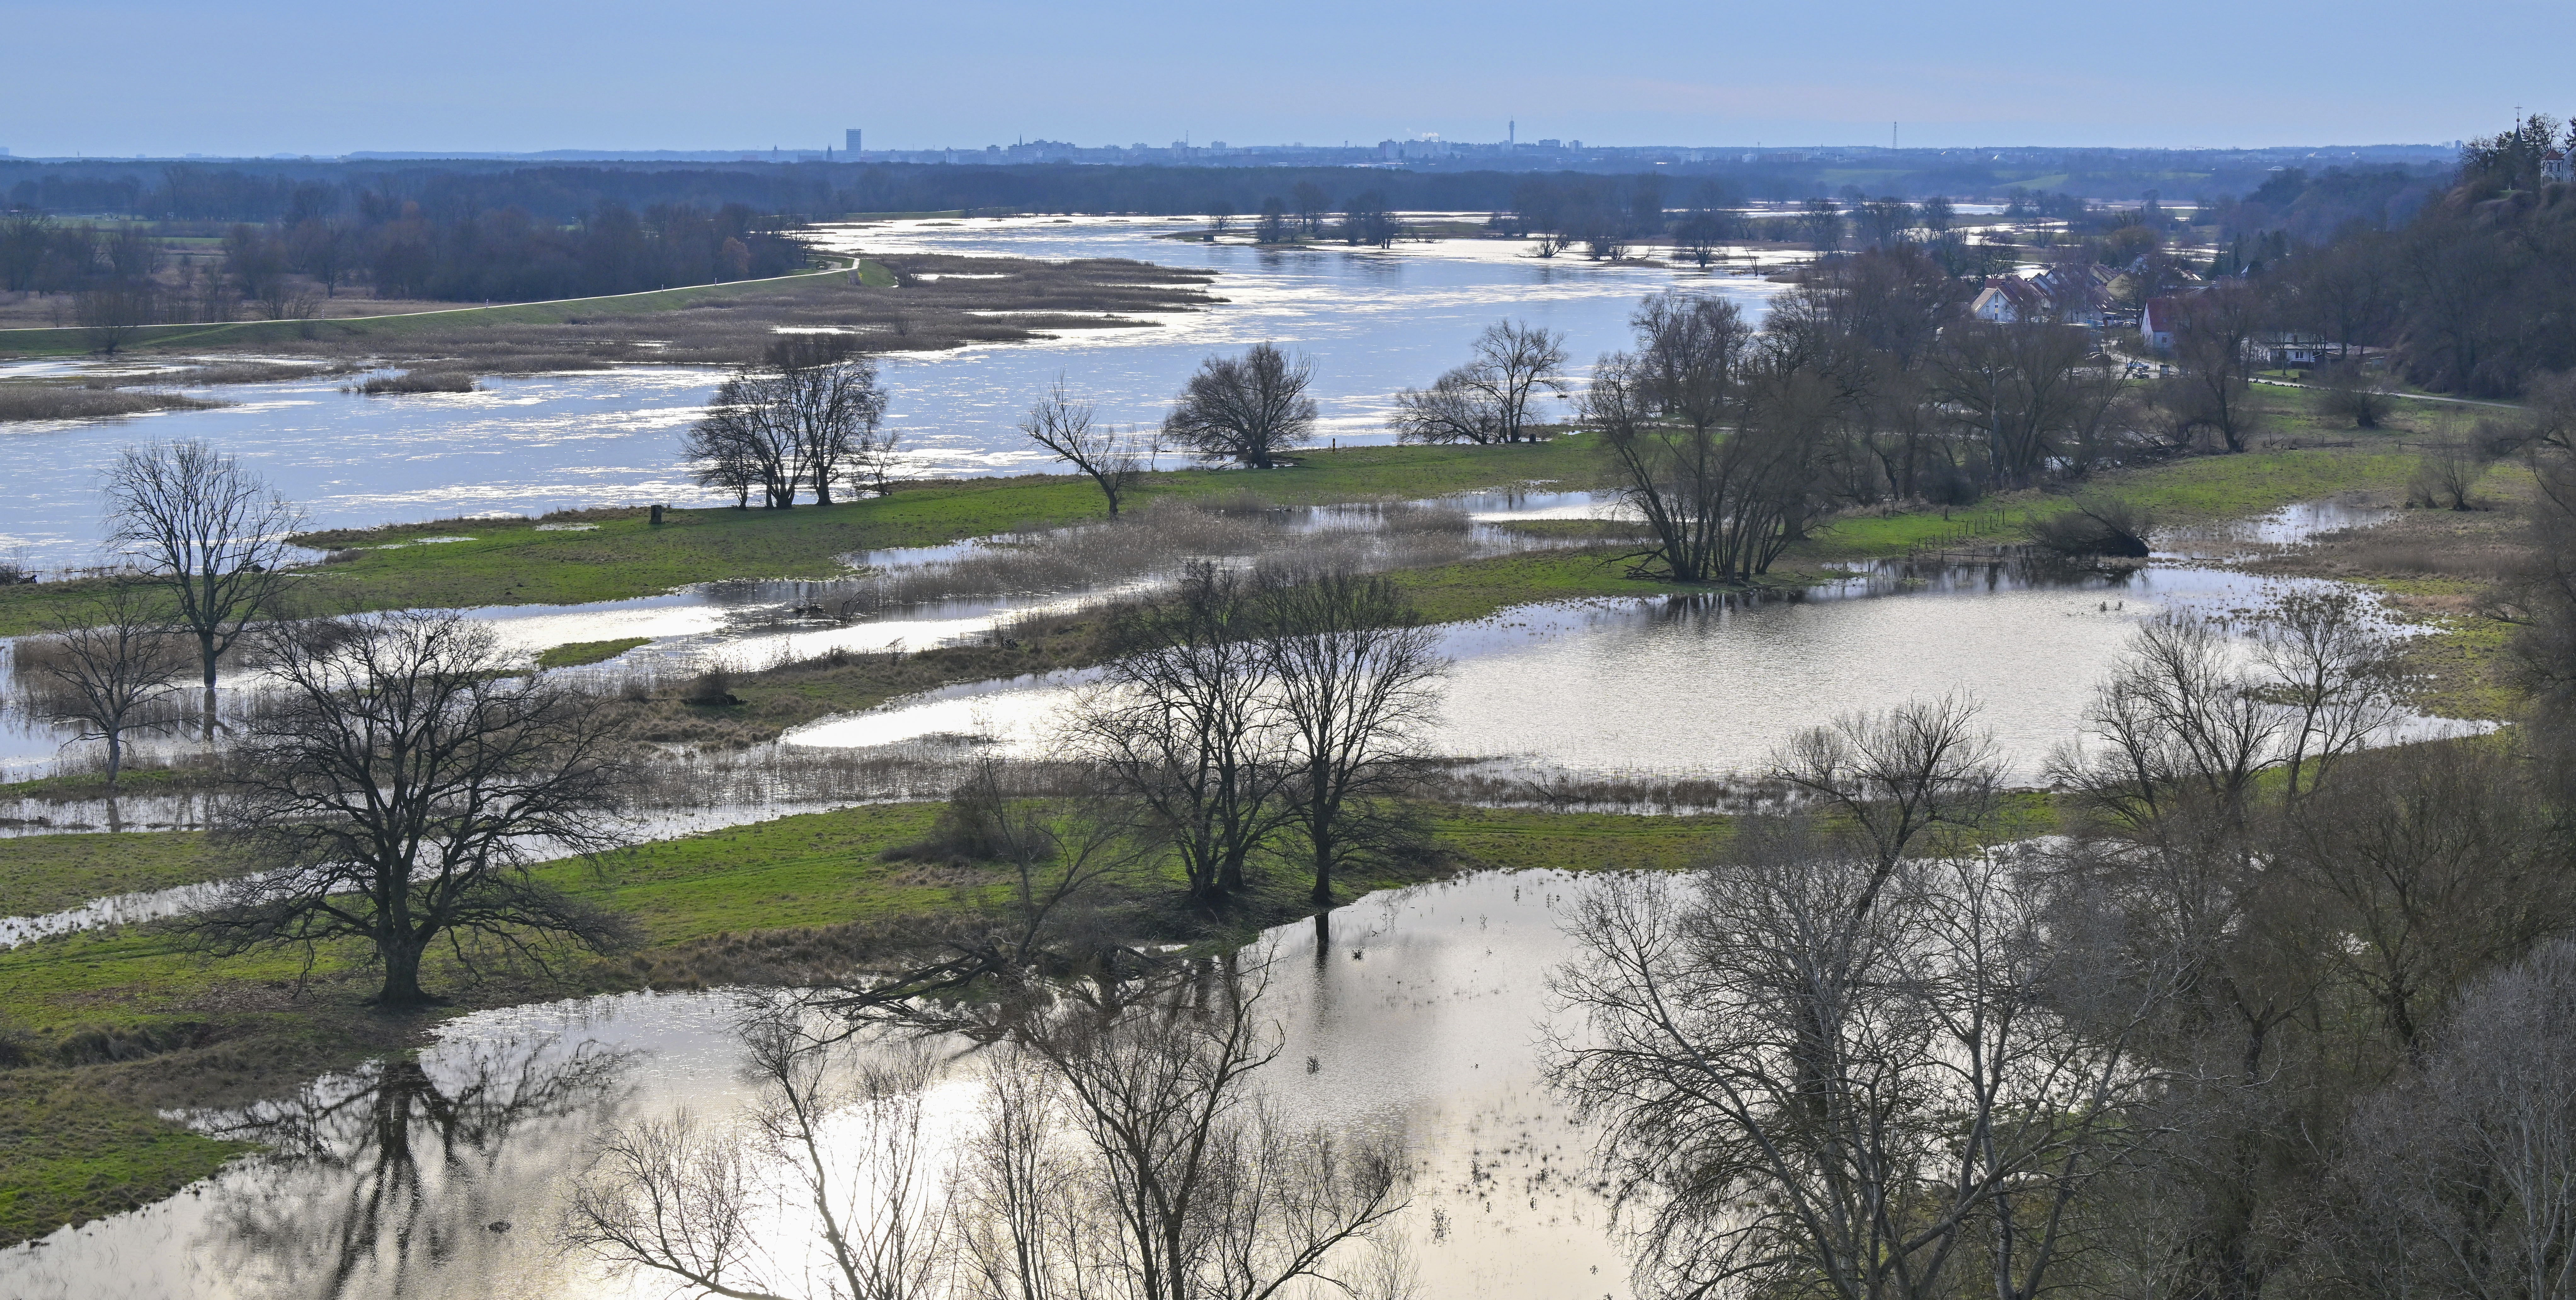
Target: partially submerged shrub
point(419, 381)
point(2094, 528)
point(70, 402)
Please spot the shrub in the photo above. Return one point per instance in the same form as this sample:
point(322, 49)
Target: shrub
point(2094, 528)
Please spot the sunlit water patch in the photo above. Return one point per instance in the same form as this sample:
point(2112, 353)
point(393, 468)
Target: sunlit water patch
point(1373, 321)
point(1421, 1011)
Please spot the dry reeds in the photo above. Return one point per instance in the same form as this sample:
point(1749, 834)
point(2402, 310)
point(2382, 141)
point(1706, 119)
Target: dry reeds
point(29, 402)
point(1154, 541)
point(419, 381)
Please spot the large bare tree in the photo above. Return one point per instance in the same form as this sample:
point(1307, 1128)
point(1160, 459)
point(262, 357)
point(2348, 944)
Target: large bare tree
point(1067, 426)
point(1714, 444)
point(1248, 408)
point(1488, 399)
point(208, 530)
point(808, 414)
point(1800, 1094)
point(1183, 725)
point(1354, 675)
point(400, 789)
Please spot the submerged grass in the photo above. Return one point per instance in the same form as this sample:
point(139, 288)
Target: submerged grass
point(48, 873)
point(573, 654)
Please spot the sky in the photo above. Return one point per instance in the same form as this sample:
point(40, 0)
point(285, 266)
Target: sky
point(258, 77)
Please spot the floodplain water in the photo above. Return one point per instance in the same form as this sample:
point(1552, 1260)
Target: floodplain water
point(1372, 320)
point(1421, 1012)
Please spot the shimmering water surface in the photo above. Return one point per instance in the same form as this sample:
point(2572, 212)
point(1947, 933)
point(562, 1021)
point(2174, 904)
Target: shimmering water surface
point(1423, 1013)
point(1373, 321)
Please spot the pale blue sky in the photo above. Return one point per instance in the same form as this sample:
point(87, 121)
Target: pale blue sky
point(269, 76)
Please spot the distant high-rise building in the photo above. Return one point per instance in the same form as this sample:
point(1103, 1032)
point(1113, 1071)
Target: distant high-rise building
point(850, 140)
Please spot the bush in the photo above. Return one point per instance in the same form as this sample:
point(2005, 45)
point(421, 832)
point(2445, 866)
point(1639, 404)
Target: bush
point(711, 687)
point(2094, 528)
point(2444, 475)
point(419, 381)
point(2355, 394)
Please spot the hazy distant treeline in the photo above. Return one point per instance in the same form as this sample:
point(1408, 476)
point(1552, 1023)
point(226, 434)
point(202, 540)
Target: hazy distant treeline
point(285, 190)
point(276, 268)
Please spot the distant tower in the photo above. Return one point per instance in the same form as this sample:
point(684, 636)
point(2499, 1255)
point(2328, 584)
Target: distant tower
point(1512, 133)
point(850, 140)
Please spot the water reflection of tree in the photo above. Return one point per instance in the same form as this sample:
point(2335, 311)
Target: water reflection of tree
point(372, 1174)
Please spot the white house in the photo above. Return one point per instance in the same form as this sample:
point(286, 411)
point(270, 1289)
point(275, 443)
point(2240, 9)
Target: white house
point(2156, 323)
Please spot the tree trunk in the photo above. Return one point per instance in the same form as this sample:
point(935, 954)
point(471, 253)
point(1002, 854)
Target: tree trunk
point(402, 972)
point(206, 655)
point(115, 757)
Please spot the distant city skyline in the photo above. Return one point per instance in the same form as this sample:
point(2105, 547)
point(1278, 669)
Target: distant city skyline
point(301, 77)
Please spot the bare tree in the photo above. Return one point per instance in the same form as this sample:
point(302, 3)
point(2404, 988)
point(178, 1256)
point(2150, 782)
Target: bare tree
point(2213, 340)
point(842, 1126)
point(110, 667)
point(2457, 1179)
point(810, 412)
point(208, 530)
point(1310, 203)
point(1354, 671)
point(2018, 388)
point(726, 459)
point(401, 790)
point(2333, 666)
point(1804, 1094)
point(1248, 408)
point(824, 393)
point(1453, 409)
point(111, 314)
point(1715, 447)
point(1487, 399)
point(2356, 394)
point(1182, 725)
point(2430, 864)
point(1897, 774)
point(2179, 724)
point(2446, 476)
point(1063, 424)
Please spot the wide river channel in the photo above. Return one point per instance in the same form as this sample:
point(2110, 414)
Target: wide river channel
point(1372, 321)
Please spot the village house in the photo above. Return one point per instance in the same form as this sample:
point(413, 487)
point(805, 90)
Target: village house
point(2156, 323)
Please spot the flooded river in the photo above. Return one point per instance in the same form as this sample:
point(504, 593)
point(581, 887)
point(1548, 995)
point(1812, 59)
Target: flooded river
point(1422, 1014)
point(1373, 321)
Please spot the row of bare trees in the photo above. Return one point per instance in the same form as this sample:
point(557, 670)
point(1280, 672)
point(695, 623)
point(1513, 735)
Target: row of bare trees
point(208, 541)
point(808, 416)
point(2274, 1016)
point(1243, 706)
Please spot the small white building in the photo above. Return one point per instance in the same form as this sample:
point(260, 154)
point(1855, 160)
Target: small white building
point(2156, 323)
point(2554, 166)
